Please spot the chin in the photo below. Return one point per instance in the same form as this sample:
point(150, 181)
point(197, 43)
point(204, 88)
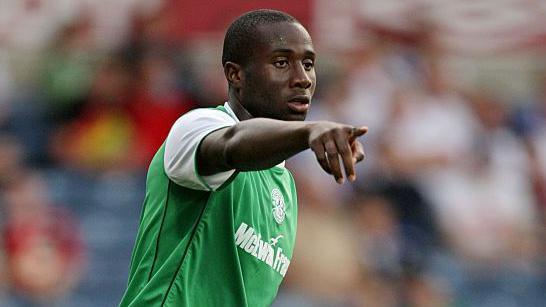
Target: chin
point(295, 117)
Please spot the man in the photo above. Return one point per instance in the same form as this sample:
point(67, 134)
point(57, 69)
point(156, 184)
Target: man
point(219, 219)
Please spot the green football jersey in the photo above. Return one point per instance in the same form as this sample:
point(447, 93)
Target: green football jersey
point(229, 247)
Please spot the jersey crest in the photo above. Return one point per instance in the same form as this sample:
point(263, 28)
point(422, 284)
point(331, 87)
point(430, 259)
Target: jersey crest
point(279, 206)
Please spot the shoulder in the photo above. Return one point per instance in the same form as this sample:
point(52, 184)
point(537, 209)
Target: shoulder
point(182, 143)
point(204, 116)
point(194, 125)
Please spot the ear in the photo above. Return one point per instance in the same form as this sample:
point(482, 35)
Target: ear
point(234, 74)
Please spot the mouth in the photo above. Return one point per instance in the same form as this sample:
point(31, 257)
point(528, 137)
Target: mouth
point(299, 104)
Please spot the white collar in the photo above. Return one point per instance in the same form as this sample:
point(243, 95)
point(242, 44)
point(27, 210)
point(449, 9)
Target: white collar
point(230, 111)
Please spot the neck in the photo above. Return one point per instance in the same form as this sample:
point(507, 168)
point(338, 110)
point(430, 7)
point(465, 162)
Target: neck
point(240, 111)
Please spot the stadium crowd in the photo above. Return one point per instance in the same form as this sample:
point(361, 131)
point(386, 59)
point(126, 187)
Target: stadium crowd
point(449, 208)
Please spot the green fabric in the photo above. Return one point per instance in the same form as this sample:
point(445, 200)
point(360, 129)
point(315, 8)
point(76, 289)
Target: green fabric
point(229, 247)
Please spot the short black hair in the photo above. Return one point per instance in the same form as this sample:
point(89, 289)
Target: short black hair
point(241, 34)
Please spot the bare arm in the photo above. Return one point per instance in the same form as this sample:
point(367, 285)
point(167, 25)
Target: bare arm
point(261, 143)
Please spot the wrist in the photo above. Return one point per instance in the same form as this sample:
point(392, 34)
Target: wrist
point(305, 132)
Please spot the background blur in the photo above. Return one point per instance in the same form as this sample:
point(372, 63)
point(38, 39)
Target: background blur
point(449, 208)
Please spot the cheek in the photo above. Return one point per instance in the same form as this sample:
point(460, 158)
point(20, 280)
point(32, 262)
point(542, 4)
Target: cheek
point(274, 85)
point(264, 90)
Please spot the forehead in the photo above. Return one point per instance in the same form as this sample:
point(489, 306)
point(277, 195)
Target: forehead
point(285, 35)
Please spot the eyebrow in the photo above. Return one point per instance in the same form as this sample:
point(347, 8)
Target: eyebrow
point(285, 50)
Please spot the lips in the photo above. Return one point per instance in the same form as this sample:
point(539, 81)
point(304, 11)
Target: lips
point(299, 104)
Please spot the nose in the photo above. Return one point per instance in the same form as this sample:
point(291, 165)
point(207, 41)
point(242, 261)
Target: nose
point(301, 77)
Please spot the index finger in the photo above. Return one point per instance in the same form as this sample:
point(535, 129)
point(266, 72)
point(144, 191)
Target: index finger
point(357, 131)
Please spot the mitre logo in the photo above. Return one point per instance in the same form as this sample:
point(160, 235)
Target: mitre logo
point(279, 206)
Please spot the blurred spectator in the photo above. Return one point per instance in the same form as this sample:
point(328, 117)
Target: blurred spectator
point(530, 122)
point(415, 158)
point(490, 201)
point(149, 28)
point(205, 70)
point(23, 108)
point(410, 148)
point(102, 137)
point(69, 68)
point(156, 102)
point(379, 237)
point(324, 269)
point(29, 25)
point(397, 239)
point(41, 244)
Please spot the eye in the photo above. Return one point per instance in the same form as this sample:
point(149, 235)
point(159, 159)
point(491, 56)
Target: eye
point(308, 64)
point(281, 63)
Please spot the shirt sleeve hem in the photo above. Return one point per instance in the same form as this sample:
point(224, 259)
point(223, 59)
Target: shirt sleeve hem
point(202, 179)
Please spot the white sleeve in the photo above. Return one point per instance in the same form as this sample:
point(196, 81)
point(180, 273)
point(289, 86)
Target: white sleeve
point(181, 147)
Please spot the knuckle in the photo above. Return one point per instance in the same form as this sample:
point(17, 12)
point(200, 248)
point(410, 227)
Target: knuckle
point(326, 137)
point(338, 131)
point(331, 150)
